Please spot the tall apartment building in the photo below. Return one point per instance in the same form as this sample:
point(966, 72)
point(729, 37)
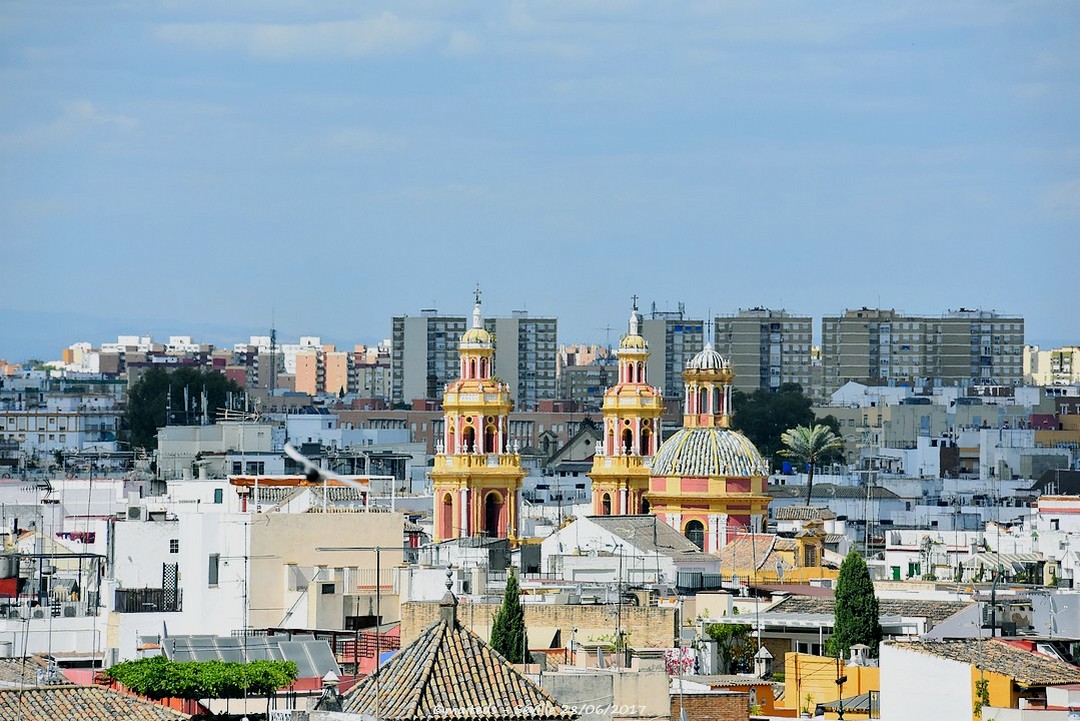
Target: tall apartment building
point(673, 340)
point(962, 347)
point(767, 348)
point(423, 354)
point(525, 357)
point(1052, 367)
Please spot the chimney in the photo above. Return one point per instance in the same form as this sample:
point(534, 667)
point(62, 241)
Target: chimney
point(448, 604)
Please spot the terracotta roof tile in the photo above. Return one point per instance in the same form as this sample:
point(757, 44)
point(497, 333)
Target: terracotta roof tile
point(803, 513)
point(450, 673)
point(752, 550)
point(14, 672)
point(934, 611)
point(1025, 667)
point(80, 703)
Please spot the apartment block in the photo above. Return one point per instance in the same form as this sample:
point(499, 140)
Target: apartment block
point(423, 354)
point(673, 339)
point(1052, 367)
point(766, 347)
point(883, 347)
point(525, 356)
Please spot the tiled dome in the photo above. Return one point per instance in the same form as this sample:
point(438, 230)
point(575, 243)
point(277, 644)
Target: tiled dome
point(634, 342)
point(476, 336)
point(707, 360)
point(708, 452)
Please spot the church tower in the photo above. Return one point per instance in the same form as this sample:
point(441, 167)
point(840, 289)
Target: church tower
point(631, 433)
point(477, 475)
point(709, 481)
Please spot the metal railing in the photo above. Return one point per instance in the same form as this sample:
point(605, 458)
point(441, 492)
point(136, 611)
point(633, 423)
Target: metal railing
point(147, 600)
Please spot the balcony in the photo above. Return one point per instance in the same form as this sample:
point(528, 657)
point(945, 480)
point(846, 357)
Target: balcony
point(147, 600)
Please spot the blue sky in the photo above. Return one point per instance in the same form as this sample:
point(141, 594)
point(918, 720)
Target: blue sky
point(197, 167)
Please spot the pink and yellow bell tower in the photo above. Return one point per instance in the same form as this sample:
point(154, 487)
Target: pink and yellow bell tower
point(477, 476)
point(631, 434)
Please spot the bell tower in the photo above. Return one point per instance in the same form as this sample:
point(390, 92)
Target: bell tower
point(477, 476)
point(631, 433)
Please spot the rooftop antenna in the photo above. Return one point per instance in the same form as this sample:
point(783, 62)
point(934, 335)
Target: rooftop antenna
point(273, 354)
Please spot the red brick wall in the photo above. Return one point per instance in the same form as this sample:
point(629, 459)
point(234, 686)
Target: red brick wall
point(711, 706)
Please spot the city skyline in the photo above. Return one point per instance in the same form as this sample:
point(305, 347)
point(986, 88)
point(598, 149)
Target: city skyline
point(64, 329)
point(189, 168)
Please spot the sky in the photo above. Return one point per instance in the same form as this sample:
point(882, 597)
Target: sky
point(209, 168)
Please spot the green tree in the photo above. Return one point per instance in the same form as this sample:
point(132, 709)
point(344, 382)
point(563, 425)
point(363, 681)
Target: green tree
point(808, 446)
point(508, 630)
point(734, 645)
point(857, 614)
point(763, 415)
point(157, 677)
point(149, 397)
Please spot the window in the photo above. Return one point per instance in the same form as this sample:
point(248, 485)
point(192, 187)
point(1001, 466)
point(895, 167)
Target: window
point(326, 588)
point(1054, 524)
point(174, 545)
point(212, 571)
point(219, 495)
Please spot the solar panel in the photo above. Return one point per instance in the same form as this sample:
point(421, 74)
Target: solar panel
point(313, 657)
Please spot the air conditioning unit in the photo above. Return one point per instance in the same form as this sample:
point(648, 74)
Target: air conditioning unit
point(136, 513)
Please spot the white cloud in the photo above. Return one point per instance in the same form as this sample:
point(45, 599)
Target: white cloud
point(77, 117)
point(84, 112)
point(383, 34)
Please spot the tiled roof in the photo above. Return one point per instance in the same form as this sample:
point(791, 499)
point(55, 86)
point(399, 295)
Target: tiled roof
point(751, 550)
point(708, 452)
point(648, 534)
point(803, 513)
point(829, 490)
point(934, 611)
point(1025, 667)
point(728, 680)
point(14, 672)
point(450, 673)
point(76, 703)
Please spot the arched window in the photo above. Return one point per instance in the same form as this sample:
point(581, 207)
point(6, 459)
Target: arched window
point(483, 367)
point(492, 513)
point(645, 507)
point(695, 533)
point(627, 441)
point(645, 439)
point(446, 519)
point(468, 439)
point(715, 400)
point(640, 373)
point(605, 505)
point(703, 398)
point(489, 439)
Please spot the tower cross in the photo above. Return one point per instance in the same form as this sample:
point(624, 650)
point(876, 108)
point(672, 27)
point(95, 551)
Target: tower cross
point(634, 299)
point(477, 296)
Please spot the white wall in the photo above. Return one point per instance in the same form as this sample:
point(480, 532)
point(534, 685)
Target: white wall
point(921, 686)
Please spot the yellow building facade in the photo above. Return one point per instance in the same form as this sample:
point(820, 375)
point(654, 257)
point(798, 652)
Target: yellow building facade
point(631, 433)
point(476, 476)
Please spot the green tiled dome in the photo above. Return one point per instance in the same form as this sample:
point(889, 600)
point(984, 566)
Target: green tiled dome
point(706, 452)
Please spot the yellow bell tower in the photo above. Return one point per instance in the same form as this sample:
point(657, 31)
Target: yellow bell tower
point(631, 435)
point(476, 476)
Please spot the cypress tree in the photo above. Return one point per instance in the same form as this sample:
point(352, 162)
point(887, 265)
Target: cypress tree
point(508, 630)
point(857, 614)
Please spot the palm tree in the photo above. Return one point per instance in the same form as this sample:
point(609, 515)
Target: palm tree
point(809, 445)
